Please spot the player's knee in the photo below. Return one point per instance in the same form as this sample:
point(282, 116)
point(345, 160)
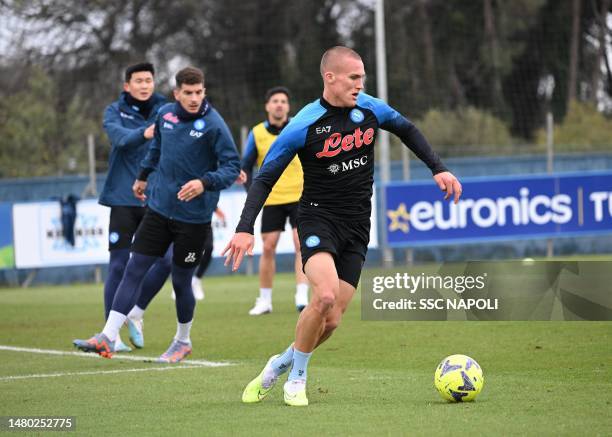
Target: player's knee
point(116, 269)
point(269, 249)
point(325, 301)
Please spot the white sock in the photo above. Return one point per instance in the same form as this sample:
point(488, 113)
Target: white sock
point(266, 294)
point(182, 332)
point(301, 289)
point(136, 313)
point(113, 325)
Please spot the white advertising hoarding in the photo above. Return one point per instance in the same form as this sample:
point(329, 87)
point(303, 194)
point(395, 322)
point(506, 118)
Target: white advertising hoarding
point(39, 240)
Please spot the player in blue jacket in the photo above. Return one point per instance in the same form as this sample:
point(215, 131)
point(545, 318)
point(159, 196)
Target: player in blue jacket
point(334, 138)
point(129, 124)
point(194, 157)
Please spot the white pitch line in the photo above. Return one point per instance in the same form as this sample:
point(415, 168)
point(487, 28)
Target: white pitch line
point(202, 363)
point(98, 372)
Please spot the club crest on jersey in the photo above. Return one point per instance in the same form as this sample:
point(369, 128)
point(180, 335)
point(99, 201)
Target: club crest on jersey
point(313, 241)
point(199, 124)
point(336, 143)
point(357, 116)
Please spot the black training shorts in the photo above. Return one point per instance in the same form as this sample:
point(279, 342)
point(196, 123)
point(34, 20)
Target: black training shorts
point(156, 233)
point(124, 221)
point(346, 242)
point(274, 217)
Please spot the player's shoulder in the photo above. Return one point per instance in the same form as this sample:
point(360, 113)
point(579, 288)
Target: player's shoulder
point(259, 126)
point(379, 107)
point(367, 101)
point(213, 115)
point(113, 107)
point(307, 116)
point(213, 118)
point(159, 100)
point(166, 107)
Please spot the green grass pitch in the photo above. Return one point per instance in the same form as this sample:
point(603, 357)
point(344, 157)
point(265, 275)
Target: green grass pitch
point(371, 378)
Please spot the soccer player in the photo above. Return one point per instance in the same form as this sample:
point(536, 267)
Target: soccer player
point(194, 157)
point(129, 124)
point(334, 139)
point(282, 203)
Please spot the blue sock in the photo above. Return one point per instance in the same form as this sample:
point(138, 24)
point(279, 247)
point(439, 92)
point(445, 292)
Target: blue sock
point(282, 363)
point(155, 279)
point(300, 365)
point(185, 302)
point(129, 287)
point(116, 267)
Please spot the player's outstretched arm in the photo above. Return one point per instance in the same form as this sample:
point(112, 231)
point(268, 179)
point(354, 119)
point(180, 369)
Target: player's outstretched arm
point(392, 121)
point(241, 243)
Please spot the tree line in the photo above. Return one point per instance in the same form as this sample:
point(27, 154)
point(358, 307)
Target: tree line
point(467, 71)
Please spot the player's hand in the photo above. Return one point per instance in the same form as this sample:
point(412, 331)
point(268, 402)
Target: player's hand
point(449, 184)
point(242, 178)
point(191, 189)
point(241, 243)
point(138, 189)
point(149, 132)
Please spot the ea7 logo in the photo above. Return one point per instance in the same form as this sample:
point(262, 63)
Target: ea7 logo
point(195, 133)
point(323, 129)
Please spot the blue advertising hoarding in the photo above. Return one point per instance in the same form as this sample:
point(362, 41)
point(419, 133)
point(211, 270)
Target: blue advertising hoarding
point(501, 208)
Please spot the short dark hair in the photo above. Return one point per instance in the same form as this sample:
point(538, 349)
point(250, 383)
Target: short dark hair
point(277, 90)
point(142, 66)
point(332, 55)
point(189, 76)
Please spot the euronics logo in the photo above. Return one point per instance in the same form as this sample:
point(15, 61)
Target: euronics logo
point(494, 208)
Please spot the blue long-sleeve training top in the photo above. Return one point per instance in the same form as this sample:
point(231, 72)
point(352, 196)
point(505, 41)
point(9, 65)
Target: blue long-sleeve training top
point(186, 147)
